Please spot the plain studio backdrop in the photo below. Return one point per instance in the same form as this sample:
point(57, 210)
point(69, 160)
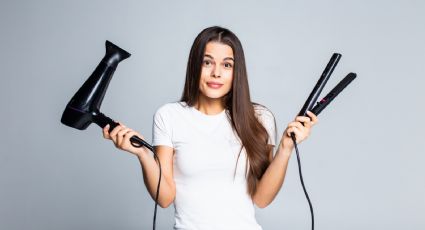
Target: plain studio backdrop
point(362, 165)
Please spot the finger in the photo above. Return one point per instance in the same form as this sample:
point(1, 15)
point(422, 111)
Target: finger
point(106, 132)
point(120, 136)
point(306, 124)
point(302, 119)
point(116, 130)
point(292, 130)
point(130, 134)
point(123, 131)
point(313, 117)
point(122, 124)
point(298, 125)
point(133, 133)
point(298, 134)
point(289, 130)
point(292, 124)
point(303, 127)
point(305, 120)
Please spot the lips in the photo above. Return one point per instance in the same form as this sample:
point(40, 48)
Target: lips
point(214, 85)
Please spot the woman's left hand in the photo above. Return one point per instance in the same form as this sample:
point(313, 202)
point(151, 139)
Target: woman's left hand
point(301, 131)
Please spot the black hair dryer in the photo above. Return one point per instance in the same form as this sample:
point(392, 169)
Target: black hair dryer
point(84, 106)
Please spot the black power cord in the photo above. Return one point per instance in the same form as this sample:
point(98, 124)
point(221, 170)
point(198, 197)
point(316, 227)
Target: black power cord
point(302, 180)
point(139, 145)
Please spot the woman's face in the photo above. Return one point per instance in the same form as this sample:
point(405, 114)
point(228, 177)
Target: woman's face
point(217, 70)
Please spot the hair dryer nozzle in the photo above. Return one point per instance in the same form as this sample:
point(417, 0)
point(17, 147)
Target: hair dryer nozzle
point(114, 54)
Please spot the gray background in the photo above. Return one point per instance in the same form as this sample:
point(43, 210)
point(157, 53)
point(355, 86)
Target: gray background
point(362, 164)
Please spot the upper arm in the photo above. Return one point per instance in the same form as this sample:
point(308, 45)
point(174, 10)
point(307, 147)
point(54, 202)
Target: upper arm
point(162, 140)
point(271, 153)
point(165, 155)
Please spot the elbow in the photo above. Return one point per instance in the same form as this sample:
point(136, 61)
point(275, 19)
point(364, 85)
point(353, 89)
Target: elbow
point(166, 203)
point(166, 197)
point(260, 203)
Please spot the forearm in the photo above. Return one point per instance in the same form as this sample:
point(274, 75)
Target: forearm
point(272, 180)
point(150, 170)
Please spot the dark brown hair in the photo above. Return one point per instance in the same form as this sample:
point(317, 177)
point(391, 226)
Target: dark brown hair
point(238, 103)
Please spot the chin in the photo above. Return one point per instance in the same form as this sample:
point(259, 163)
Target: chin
point(215, 96)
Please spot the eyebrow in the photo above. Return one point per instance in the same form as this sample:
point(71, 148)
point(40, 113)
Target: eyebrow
point(227, 58)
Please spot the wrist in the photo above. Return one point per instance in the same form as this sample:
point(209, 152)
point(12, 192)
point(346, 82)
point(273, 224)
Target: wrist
point(285, 150)
point(141, 153)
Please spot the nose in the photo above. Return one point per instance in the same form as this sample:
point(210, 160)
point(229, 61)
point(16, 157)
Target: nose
point(216, 72)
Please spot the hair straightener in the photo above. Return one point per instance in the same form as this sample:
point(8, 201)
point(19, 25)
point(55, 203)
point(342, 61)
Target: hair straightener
point(312, 105)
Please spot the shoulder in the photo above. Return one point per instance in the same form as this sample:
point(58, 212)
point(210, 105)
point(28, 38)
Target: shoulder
point(262, 112)
point(170, 108)
point(266, 118)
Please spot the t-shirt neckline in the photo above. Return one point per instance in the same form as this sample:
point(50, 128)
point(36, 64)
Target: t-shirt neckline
point(207, 116)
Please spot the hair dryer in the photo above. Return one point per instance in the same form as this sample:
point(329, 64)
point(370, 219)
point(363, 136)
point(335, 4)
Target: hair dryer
point(84, 106)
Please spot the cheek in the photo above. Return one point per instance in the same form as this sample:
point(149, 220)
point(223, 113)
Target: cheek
point(229, 81)
point(205, 72)
point(203, 77)
point(228, 75)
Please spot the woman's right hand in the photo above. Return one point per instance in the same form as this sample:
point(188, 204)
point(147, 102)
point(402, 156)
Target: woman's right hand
point(120, 136)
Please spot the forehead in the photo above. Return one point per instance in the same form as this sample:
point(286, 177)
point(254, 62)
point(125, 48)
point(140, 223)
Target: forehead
point(218, 50)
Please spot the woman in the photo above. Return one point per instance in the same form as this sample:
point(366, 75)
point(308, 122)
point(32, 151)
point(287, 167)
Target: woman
point(215, 145)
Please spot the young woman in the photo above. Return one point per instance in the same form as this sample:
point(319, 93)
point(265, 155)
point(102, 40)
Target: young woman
point(215, 145)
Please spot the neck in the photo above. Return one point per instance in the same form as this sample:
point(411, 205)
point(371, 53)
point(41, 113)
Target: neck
point(209, 106)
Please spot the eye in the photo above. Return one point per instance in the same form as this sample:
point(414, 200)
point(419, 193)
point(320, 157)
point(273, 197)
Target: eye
point(207, 62)
point(228, 65)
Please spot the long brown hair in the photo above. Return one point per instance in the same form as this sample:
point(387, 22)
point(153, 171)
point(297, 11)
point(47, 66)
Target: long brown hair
point(250, 131)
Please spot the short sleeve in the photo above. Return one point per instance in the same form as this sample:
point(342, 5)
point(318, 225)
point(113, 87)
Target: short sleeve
point(161, 129)
point(265, 116)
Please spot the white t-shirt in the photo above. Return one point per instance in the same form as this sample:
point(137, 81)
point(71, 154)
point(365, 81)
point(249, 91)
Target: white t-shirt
point(210, 195)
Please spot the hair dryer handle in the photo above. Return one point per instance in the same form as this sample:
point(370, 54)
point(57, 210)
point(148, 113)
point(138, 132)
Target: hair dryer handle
point(102, 120)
